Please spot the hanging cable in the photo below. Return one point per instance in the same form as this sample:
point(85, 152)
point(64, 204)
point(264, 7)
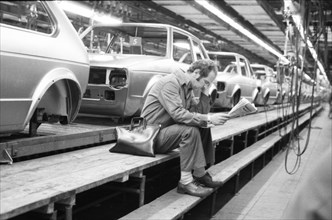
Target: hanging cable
point(297, 80)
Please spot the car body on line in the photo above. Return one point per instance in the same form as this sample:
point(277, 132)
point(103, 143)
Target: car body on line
point(127, 59)
point(44, 66)
point(270, 87)
point(300, 86)
point(283, 86)
point(235, 79)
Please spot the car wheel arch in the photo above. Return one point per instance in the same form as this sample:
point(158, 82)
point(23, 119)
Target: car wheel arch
point(59, 78)
point(266, 92)
point(236, 95)
point(213, 93)
point(266, 97)
point(255, 93)
point(236, 89)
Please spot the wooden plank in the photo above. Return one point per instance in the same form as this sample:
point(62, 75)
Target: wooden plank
point(114, 164)
point(34, 188)
point(169, 206)
point(45, 162)
point(32, 146)
point(236, 126)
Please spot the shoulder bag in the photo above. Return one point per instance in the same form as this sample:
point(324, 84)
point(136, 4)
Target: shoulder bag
point(137, 140)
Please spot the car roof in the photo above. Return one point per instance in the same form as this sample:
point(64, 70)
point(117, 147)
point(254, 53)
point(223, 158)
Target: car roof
point(142, 25)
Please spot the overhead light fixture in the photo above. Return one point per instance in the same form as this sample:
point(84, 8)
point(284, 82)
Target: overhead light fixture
point(205, 41)
point(210, 7)
point(85, 11)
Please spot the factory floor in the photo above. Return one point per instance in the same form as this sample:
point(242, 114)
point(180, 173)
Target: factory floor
point(269, 194)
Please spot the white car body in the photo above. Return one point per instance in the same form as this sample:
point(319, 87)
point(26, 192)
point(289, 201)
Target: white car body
point(235, 79)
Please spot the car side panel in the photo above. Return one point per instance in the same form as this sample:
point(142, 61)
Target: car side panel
point(27, 56)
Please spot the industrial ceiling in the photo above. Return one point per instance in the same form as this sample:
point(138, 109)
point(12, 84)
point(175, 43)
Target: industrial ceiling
point(264, 19)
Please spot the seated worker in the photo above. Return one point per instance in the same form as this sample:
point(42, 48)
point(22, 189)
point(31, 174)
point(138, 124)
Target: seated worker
point(172, 104)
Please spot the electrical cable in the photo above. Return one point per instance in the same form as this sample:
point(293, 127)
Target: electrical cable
point(297, 99)
point(280, 108)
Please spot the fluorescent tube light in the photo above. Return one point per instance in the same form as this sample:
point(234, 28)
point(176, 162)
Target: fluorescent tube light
point(244, 31)
point(85, 11)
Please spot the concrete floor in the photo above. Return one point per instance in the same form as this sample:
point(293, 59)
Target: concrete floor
point(268, 194)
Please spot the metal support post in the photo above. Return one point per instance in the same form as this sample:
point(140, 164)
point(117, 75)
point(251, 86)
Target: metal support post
point(67, 206)
point(213, 202)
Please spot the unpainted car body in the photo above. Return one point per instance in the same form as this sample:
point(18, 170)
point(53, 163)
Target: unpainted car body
point(284, 86)
point(270, 87)
point(44, 65)
point(127, 59)
point(301, 86)
point(235, 79)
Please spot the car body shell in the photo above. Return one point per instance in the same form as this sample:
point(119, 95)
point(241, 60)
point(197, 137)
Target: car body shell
point(300, 86)
point(44, 65)
point(124, 77)
point(283, 87)
point(270, 87)
point(235, 81)
point(284, 93)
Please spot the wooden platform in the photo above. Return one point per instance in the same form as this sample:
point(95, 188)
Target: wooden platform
point(32, 184)
point(41, 183)
point(173, 205)
point(55, 137)
point(84, 131)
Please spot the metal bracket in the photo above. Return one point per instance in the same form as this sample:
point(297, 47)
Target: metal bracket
point(36, 120)
point(5, 157)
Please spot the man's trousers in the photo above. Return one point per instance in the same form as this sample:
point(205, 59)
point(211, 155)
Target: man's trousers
point(195, 145)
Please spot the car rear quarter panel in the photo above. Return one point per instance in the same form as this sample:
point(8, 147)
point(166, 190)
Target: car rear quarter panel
point(28, 59)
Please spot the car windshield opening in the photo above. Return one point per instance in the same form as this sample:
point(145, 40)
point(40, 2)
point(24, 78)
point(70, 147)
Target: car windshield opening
point(225, 63)
point(127, 40)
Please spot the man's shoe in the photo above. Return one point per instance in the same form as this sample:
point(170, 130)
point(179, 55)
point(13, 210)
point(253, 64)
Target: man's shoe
point(207, 181)
point(194, 189)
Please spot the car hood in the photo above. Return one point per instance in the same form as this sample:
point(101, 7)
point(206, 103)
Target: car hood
point(130, 62)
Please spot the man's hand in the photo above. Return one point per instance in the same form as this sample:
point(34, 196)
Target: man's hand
point(219, 118)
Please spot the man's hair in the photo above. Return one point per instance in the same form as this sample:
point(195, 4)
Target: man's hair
point(205, 66)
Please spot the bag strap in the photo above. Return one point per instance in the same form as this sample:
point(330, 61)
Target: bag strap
point(141, 120)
